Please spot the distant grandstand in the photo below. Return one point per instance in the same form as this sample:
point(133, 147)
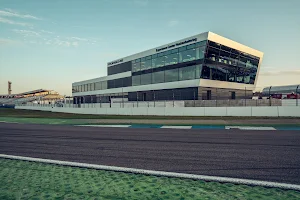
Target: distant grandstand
point(35, 96)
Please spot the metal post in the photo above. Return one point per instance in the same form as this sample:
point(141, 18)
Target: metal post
point(137, 98)
point(84, 101)
point(297, 95)
point(216, 97)
point(100, 101)
point(194, 99)
point(122, 98)
point(93, 104)
point(154, 97)
point(245, 97)
point(173, 97)
point(270, 96)
point(109, 101)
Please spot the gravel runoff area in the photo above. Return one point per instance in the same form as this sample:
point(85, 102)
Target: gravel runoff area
point(43, 117)
point(31, 180)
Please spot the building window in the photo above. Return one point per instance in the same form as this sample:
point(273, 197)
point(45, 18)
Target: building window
point(158, 62)
point(232, 95)
point(188, 55)
point(158, 77)
point(171, 59)
point(208, 94)
point(171, 75)
point(187, 73)
point(136, 66)
point(104, 85)
point(98, 86)
point(136, 80)
point(213, 54)
point(198, 71)
point(146, 79)
point(200, 44)
point(148, 64)
point(200, 52)
point(205, 72)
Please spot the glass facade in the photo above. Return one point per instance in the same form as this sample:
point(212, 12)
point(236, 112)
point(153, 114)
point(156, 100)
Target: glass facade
point(158, 77)
point(205, 59)
point(171, 57)
point(167, 94)
point(101, 85)
point(119, 68)
point(226, 64)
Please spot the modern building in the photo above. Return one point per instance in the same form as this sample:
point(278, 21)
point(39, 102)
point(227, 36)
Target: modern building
point(202, 67)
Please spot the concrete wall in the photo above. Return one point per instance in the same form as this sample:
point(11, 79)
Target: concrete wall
point(274, 111)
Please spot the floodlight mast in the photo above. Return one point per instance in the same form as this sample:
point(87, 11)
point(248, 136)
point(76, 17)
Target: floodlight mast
point(9, 87)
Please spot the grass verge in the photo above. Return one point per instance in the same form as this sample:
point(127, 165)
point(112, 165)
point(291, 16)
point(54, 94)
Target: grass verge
point(31, 180)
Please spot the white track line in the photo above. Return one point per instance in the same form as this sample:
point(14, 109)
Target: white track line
point(258, 128)
point(177, 127)
point(9, 122)
point(159, 173)
point(115, 126)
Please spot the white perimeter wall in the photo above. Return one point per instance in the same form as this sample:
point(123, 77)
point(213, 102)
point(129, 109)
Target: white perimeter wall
point(274, 111)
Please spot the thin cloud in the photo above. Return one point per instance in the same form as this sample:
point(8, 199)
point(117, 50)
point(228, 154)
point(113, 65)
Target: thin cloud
point(282, 72)
point(75, 44)
point(48, 32)
point(8, 21)
point(11, 13)
point(173, 23)
point(63, 43)
point(27, 33)
point(78, 38)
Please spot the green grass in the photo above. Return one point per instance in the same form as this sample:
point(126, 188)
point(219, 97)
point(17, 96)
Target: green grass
point(31, 180)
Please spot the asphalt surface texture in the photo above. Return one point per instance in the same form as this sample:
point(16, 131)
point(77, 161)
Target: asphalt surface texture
point(260, 155)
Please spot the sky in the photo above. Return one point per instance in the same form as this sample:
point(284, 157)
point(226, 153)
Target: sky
point(50, 44)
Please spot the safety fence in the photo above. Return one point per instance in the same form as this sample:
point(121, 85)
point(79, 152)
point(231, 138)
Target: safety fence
point(266, 111)
point(186, 103)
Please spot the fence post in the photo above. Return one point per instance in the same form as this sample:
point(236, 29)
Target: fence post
point(91, 99)
point(194, 99)
point(109, 101)
point(216, 97)
point(100, 101)
point(137, 99)
point(245, 97)
point(297, 95)
point(154, 97)
point(173, 97)
point(270, 96)
point(122, 97)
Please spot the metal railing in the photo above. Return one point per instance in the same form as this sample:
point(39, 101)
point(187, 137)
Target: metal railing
point(203, 97)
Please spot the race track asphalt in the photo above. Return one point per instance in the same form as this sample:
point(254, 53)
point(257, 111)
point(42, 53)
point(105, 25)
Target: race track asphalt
point(259, 155)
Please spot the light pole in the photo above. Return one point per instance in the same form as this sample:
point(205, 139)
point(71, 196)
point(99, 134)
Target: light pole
point(270, 95)
point(297, 95)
